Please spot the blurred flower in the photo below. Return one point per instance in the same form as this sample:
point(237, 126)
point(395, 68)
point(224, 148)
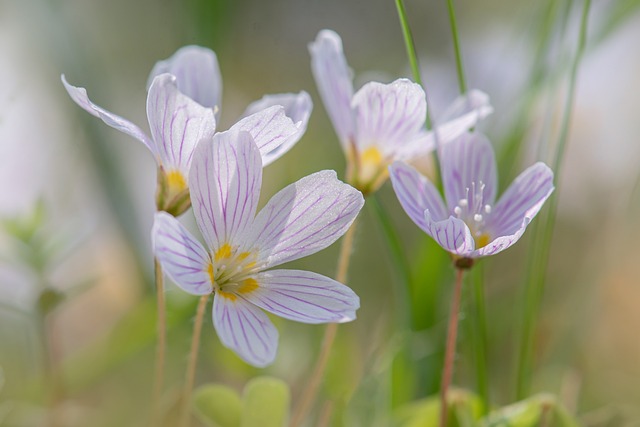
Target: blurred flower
point(382, 122)
point(470, 224)
point(198, 76)
point(303, 218)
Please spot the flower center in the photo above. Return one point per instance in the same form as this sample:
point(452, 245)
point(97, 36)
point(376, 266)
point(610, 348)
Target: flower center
point(473, 211)
point(229, 272)
point(176, 181)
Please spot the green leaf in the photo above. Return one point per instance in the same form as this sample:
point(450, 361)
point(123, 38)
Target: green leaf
point(529, 413)
point(464, 411)
point(266, 403)
point(217, 405)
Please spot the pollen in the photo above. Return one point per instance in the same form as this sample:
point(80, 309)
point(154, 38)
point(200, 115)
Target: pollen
point(225, 252)
point(176, 181)
point(482, 240)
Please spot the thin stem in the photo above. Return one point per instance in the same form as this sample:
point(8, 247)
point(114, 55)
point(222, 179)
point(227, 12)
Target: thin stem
point(462, 83)
point(480, 338)
point(411, 51)
point(309, 395)
point(161, 345)
point(544, 231)
point(452, 335)
point(193, 361)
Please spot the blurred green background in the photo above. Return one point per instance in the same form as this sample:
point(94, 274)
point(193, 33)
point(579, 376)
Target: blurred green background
point(77, 201)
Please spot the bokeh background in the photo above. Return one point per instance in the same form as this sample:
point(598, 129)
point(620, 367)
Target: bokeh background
point(81, 197)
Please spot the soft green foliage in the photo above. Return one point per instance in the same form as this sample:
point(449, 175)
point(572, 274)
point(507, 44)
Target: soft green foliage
point(541, 409)
point(464, 410)
point(217, 405)
point(265, 403)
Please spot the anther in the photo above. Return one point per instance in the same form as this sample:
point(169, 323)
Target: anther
point(477, 217)
point(487, 209)
point(457, 210)
point(463, 202)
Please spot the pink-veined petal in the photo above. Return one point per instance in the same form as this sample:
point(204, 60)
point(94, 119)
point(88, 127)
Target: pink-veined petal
point(181, 256)
point(177, 123)
point(389, 115)
point(521, 202)
point(452, 234)
point(416, 194)
point(80, 97)
point(245, 329)
point(297, 107)
point(334, 80)
point(303, 218)
point(225, 182)
point(197, 73)
point(270, 129)
point(468, 167)
point(304, 296)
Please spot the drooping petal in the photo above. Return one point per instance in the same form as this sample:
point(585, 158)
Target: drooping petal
point(225, 182)
point(468, 167)
point(416, 194)
point(303, 218)
point(177, 123)
point(80, 97)
point(245, 329)
point(181, 256)
point(521, 202)
point(389, 115)
point(197, 73)
point(334, 80)
point(296, 106)
point(304, 296)
point(452, 234)
point(270, 129)
point(473, 101)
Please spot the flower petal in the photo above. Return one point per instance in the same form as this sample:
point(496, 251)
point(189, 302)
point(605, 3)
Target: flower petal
point(463, 114)
point(182, 257)
point(522, 201)
point(197, 73)
point(297, 107)
point(270, 129)
point(304, 296)
point(245, 329)
point(389, 115)
point(452, 234)
point(80, 97)
point(334, 80)
point(303, 218)
point(468, 167)
point(225, 182)
point(416, 194)
point(177, 123)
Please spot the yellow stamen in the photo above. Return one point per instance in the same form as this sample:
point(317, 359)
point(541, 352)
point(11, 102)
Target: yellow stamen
point(224, 252)
point(482, 240)
point(248, 286)
point(210, 271)
point(176, 181)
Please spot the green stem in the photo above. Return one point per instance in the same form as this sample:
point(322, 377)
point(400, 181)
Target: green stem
point(411, 51)
point(399, 261)
point(480, 338)
point(537, 268)
point(462, 84)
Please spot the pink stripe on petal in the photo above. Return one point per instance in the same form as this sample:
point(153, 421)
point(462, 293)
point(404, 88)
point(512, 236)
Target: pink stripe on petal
point(270, 129)
point(452, 234)
point(304, 296)
point(389, 115)
point(297, 107)
point(334, 80)
point(197, 73)
point(225, 182)
point(416, 194)
point(181, 256)
point(245, 329)
point(177, 123)
point(80, 97)
point(304, 217)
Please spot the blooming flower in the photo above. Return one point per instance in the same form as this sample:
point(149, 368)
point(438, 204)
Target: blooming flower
point(303, 218)
point(180, 112)
point(382, 122)
point(471, 224)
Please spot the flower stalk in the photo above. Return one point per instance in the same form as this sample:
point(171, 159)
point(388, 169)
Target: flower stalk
point(161, 331)
point(309, 395)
